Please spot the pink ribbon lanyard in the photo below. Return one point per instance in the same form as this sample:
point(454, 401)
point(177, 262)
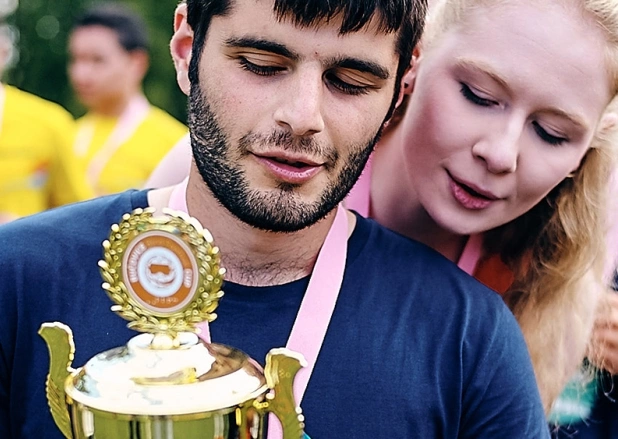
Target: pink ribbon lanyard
point(318, 305)
point(471, 254)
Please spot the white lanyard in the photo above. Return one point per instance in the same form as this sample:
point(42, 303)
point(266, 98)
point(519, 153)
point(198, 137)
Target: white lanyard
point(2, 105)
point(131, 118)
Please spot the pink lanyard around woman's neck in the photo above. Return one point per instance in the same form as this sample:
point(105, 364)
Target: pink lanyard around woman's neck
point(359, 198)
point(318, 304)
point(471, 254)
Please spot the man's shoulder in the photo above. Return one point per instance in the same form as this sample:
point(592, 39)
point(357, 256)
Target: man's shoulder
point(379, 238)
point(67, 227)
point(418, 272)
point(35, 106)
point(382, 244)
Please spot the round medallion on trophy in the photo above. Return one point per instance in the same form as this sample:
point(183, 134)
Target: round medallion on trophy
point(160, 271)
point(163, 273)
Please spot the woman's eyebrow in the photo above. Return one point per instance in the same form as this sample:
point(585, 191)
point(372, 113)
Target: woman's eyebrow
point(484, 69)
point(572, 118)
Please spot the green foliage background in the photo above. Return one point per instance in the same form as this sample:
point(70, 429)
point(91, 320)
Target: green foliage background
point(44, 26)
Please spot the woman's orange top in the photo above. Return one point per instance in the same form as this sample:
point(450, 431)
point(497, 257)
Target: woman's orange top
point(493, 272)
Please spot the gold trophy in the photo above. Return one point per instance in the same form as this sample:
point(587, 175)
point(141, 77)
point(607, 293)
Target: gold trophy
point(164, 276)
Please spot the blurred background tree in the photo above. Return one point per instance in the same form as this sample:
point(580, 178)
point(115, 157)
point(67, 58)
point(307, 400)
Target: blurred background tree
point(40, 29)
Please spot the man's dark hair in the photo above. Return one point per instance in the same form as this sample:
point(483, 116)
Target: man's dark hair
point(405, 17)
point(127, 24)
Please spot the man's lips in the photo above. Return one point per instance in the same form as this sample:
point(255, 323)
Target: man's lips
point(85, 93)
point(289, 159)
point(289, 168)
point(80, 88)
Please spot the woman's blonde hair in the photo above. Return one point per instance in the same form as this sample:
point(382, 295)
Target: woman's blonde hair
point(557, 249)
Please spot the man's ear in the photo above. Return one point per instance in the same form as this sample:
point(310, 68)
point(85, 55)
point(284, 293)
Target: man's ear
point(409, 77)
point(181, 47)
point(140, 61)
point(180, 14)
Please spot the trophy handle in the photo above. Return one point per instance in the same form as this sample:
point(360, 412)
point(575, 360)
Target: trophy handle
point(280, 371)
point(59, 339)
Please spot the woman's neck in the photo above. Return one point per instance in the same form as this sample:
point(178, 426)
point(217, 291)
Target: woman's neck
point(395, 204)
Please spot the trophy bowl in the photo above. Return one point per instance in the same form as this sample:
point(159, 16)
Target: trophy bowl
point(164, 276)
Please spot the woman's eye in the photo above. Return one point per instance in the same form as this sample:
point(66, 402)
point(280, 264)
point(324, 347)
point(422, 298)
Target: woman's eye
point(546, 137)
point(467, 92)
point(259, 70)
point(346, 87)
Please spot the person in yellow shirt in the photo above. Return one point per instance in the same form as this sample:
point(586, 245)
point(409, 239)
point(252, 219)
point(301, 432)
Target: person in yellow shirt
point(38, 169)
point(122, 138)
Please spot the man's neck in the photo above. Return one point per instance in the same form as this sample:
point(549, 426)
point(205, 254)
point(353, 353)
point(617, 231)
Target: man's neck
point(115, 107)
point(251, 256)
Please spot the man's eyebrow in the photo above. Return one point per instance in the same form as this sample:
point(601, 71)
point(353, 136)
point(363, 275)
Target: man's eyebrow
point(365, 66)
point(360, 65)
point(265, 45)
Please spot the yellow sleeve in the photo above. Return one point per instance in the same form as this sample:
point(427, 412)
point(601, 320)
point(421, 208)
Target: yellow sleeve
point(67, 182)
point(37, 165)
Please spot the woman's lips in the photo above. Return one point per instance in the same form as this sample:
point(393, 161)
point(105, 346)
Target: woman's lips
point(469, 197)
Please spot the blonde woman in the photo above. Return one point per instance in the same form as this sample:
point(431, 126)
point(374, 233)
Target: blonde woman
point(506, 135)
point(502, 159)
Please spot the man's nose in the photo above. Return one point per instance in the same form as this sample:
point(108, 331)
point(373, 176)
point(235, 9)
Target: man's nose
point(79, 71)
point(300, 110)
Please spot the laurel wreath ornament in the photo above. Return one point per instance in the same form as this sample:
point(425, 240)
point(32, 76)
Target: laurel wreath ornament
point(210, 274)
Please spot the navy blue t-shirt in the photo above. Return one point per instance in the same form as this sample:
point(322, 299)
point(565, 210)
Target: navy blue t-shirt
point(415, 348)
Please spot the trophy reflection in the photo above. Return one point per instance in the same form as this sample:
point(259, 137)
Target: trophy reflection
point(164, 276)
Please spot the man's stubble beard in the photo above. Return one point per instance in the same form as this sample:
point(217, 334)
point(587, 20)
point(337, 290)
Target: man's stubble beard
point(278, 210)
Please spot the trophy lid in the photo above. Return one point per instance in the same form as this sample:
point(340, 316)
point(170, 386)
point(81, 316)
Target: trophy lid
point(163, 274)
point(194, 377)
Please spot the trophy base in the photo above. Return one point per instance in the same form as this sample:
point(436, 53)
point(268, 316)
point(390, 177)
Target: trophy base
point(242, 422)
